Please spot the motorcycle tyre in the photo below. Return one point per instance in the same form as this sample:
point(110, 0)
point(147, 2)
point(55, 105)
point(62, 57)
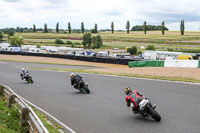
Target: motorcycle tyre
point(154, 114)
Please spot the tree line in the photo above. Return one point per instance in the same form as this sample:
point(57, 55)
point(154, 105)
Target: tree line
point(94, 30)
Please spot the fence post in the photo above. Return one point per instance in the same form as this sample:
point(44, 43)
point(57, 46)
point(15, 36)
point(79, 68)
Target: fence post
point(1, 90)
point(11, 100)
point(24, 120)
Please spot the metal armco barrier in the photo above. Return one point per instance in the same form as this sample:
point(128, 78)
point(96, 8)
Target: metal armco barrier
point(27, 116)
point(81, 58)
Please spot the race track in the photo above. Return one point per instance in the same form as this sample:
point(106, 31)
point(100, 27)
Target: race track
point(104, 110)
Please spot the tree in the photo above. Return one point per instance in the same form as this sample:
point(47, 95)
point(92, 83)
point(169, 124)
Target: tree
point(57, 28)
point(112, 27)
point(132, 50)
point(59, 41)
point(82, 28)
point(97, 42)
point(16, 40)
point(87, 40)
point(69, 28)
point(128, 27)
point(149, 28)
point(45, 28)
point(69, 42)
point(94, 41)
point(150, 47)
point(95, 30)
point(163, 28)
point(34, 28)
point(182, 27)
point(145, 27)
point(10, 33)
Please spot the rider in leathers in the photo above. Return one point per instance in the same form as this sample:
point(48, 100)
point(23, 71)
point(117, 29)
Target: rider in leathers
point(23, 73)
point(133, 99)
point(75, 79)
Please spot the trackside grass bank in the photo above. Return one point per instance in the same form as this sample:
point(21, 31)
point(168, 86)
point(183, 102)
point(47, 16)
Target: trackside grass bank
point(9, 118)
point(122, 74)
point(50, 125)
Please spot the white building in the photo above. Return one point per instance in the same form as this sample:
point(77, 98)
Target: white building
point(28, 47)
point(162, 55)
point(4, 46)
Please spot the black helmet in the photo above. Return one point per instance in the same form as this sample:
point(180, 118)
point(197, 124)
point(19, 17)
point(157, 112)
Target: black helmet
point(127, 90)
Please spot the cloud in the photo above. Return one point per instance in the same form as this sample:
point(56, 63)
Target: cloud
point(11, 0)
point(175, 17)
point(23, 13)
point(113, 13)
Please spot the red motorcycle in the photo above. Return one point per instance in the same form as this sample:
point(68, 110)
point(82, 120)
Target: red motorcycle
point(143, 106)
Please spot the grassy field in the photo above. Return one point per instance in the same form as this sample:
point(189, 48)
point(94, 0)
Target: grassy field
point(171, 39)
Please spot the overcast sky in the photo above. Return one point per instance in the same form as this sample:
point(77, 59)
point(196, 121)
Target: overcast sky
point(25, 13)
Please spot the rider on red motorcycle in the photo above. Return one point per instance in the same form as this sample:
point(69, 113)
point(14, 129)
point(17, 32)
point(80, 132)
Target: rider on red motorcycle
point(133, 99)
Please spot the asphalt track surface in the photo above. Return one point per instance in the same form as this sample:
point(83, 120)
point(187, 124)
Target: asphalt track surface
point(104, 110)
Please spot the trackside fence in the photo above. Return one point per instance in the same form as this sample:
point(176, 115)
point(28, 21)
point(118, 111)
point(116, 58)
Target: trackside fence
point(72, 57)
point(28, 118)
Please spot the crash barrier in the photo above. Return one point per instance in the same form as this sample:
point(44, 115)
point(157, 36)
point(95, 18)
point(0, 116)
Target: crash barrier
point(81, 58)
point(28, 117)
point(166, 63)
point(146, 64)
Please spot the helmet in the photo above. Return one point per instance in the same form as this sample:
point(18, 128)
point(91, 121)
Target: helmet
point(23, 70)
point(127, 90)
point(71, 75)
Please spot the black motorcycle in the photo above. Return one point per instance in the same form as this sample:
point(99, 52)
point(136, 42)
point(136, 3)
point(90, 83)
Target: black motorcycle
point(82, 87)
point(28, 78)
point(146, 109)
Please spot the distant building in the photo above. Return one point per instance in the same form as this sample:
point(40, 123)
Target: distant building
point(162, 55)
point(4, 46)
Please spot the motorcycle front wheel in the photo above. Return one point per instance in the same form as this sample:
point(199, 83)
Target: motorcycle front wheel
point(86, 90)
point(154, 114)
point(31, 80)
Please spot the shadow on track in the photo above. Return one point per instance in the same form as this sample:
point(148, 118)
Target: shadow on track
point(141, 119)
point(77, 93)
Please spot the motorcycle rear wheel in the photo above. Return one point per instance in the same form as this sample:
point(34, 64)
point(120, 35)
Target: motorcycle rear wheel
point(30, 80)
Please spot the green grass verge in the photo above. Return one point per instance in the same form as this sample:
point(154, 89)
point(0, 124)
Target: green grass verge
point(53, 127)
point(9, 118)
point(46, 63)
point(123, 74)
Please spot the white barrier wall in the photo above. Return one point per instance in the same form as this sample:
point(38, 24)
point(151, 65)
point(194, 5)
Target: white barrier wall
point(181, 63)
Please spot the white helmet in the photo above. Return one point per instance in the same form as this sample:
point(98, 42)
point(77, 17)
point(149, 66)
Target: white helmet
point(71, 75)
point(23, 69)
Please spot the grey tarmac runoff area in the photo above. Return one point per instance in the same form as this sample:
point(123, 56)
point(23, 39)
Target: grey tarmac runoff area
point(104, 110)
